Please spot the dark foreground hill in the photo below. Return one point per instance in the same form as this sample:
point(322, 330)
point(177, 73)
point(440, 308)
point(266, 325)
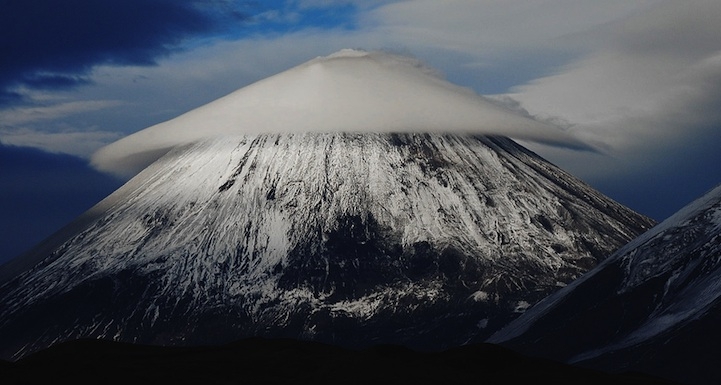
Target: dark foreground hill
point(282, 361)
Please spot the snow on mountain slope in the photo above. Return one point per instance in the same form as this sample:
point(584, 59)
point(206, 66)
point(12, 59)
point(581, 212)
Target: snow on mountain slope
point(428, 240)
point(653, 306)
point(349, 91)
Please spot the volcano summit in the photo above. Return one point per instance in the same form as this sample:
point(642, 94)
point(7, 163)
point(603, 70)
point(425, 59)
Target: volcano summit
point(424, 239)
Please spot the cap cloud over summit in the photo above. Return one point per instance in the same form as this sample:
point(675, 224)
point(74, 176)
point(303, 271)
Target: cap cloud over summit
point(349, 91)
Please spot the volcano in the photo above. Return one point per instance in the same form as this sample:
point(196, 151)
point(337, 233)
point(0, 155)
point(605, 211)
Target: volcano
point(352, 237)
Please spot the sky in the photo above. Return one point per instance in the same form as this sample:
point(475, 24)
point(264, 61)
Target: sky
point(637, 81)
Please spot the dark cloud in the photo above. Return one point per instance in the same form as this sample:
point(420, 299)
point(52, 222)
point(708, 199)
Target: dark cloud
point(50, 43)
point(40, 192)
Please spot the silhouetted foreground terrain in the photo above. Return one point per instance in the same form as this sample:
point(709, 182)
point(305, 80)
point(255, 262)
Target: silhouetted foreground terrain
point(259, 361)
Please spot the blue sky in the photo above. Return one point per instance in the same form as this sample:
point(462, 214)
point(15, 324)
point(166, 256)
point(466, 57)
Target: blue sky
point(639, 81)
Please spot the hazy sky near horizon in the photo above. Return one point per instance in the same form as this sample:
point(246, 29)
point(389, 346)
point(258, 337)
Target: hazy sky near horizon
point(640, 81)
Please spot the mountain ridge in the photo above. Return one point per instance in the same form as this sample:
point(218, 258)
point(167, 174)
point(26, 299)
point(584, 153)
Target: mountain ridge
point(654, 305)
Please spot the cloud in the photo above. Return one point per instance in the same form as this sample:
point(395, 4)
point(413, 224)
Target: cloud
point(194, 77)
point(78, 143)
point(644, 84)
point(125, 99)
point(349, 91)
point(651, 97)
point(50, 44)
point(490, 27)
point(54, 45)
point(37, 125)
point(479, 33)
point(34, 113)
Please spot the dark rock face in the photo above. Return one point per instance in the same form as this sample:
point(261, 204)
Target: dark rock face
point(653, 306)
point(424, 240)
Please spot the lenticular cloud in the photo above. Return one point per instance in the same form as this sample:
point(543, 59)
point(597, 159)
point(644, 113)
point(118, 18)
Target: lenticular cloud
point(351, 91)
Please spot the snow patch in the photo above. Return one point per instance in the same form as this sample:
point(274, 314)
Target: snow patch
point(480, 296)
point(521, 306)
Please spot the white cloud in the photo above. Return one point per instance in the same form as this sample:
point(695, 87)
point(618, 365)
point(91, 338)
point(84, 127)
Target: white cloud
point(30, 114)
point(453, 36)
point(351, 91)
point(652, 92)
point(492, 26)
point(45, 125)
point(78, 143)
point(460, 39)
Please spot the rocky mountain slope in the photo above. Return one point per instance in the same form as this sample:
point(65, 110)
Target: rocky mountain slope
point(427, 240)
point(654, 306)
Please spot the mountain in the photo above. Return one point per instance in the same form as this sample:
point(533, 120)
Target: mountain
point(654, 306)
point(420, 239)
point(350, 237)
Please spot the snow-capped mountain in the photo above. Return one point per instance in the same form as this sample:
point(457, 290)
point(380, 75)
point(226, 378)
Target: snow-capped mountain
point(356, 238)
point(653, 306)
point(421, 239)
